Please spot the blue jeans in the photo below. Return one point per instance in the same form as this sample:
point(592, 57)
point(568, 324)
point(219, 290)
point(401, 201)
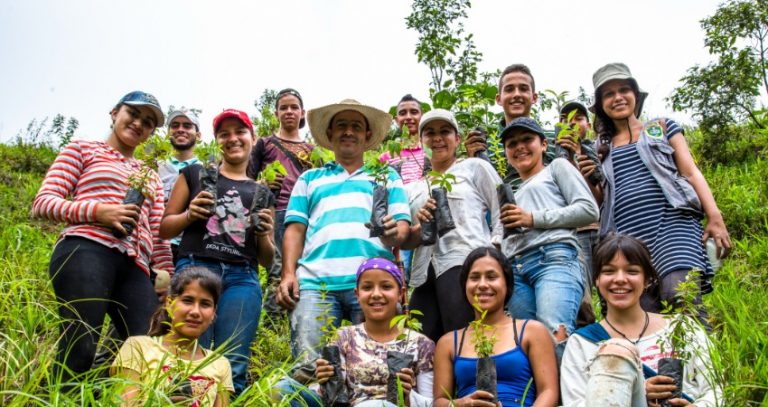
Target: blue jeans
point(548, 285)
point(296, 394)
point(307, 319)
point(588, 239)
point(237, 314)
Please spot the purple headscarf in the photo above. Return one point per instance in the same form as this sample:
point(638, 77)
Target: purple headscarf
point(380, 263)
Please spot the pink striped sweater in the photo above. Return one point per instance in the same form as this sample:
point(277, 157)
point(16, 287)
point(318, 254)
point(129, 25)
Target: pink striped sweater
point(87, 173)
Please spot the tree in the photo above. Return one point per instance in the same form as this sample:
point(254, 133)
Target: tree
point(443, 45)
point(726, 91)
point(266, 123)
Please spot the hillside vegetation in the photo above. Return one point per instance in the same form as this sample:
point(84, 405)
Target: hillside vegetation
point(29, 322)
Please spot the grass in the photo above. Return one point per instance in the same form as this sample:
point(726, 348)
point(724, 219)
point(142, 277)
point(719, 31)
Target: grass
point(29, 321)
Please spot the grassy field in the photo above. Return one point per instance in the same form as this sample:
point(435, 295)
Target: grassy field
point(29, 323)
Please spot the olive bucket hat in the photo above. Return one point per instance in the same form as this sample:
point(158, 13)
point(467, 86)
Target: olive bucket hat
point(617, 70)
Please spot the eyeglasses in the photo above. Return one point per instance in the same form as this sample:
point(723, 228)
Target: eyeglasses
point(186, 126)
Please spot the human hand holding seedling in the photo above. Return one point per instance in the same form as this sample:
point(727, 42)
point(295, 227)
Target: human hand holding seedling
point(425, 213)
point(197, 206)
point(659, 388)
point(475, 143)
point(514, 216)
point(323, 370)
point(266, 223)
point(116, 215)
point(585, 165)
point(569, 142)
point(477, 399)
point(407, 380)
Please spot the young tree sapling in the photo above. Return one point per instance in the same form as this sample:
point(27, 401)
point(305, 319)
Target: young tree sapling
point(209, 155)
point(483, 344)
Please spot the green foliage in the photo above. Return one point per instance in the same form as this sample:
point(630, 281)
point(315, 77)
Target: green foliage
point(741, 194)
point(483, 343)
point(441, 180)
point(208, 152)
point(566, 129)
point(266, 123)
point(269, 173)
point(443, 45)
point(376, 168)
point(731, 144)
point(725, 92)
point(682, 323)
point(407, 320)
point(548, 99)
point(320, 156)
point(155, 149)
point(329, 327)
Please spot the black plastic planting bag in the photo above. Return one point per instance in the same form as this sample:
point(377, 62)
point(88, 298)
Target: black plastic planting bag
point(429, 230)
point(379, 210)
point(506, 195)
point(486, 377)
point(209, 176)
point(597, 177)
point(562, 152)
point(262, 199)
point(673, 368)
point(396, 361)
point(135, 197)
point(181, 388)
point(334, 390)
point(443, 214)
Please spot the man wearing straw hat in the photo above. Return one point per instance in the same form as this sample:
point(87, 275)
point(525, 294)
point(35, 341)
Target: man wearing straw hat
point(325, 237)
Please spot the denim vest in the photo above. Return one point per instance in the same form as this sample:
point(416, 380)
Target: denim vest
point(658, 156)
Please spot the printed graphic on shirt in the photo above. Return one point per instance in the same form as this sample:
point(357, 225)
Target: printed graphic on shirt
point(194, 389)
point(225, 230)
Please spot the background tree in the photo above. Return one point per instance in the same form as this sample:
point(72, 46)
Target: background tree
point(726, 91)
point(266, 123)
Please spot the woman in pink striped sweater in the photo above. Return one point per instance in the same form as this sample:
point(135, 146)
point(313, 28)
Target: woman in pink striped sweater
point(93, 272)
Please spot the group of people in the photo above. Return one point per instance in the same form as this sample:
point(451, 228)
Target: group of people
point(524, 266)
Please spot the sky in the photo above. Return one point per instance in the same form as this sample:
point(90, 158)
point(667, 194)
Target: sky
point(78, 57)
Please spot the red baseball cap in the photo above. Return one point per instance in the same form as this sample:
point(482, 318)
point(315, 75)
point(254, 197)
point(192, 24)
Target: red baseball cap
point(232, 114)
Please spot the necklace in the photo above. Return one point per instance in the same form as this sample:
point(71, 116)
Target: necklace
point(647, 320)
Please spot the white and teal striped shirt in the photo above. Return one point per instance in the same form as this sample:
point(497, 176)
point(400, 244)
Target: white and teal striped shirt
point(335, 205)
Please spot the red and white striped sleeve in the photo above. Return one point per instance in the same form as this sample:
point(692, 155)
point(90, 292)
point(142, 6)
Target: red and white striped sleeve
point(161, 248)
point(53, 200)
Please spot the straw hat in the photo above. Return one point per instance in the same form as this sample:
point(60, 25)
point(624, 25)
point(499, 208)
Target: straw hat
point(320, 119)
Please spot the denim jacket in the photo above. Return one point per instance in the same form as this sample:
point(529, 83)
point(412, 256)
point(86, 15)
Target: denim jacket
point(658, 156)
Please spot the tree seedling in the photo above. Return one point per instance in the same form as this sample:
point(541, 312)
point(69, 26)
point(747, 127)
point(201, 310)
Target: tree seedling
point(483, 344)
point(334, 390)
point(155, 149)
point(209, 154)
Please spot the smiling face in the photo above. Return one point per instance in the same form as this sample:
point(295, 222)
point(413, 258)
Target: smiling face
point(620, 283)
point(348, 134)
point(192, 311)
point(236, 141)
point(409, 115)
point(131, 125)
point(183, 133)
point(618, 99)
point(516, 95)
point(442, 139)
point(378, 293)
point(289, 112)
point(525, 152)
point(487, 282)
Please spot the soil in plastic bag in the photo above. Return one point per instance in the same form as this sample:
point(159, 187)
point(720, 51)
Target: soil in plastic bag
point(262, 199)
point(379, 210)
point(507, 196)
point(209, 176)
point(396, 361)
point(673, 368)
point(443, 214)
point(334, 390)
point(135, 197)
point(486, 377)
point(429, 230)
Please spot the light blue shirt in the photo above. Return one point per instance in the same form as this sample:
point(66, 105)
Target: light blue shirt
point(335, 205)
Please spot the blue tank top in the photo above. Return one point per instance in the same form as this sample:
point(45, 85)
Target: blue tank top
point(513, 372)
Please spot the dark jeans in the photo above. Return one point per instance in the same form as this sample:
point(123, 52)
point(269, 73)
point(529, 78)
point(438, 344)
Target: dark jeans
point(443, 303)
point(90, 281)
point(666, 291)
point(273, 311)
